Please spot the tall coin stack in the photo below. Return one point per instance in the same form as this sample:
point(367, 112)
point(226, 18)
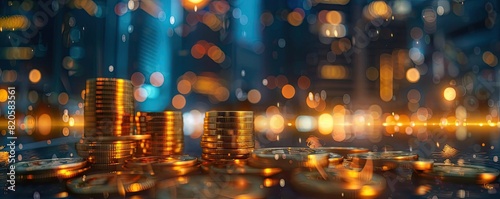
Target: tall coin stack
point(109, 120)
point(166, 130)
point(227, 135)
point(109, 107)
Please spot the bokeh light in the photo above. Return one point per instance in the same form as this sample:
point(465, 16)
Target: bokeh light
point(35, 76)
point(276, 123)
point(44, 124)
point(63, 98)
point(412, 75)
point(449, 93)
point(254, 96)
point(304, 82)
point(325, 124)
point(288, 91)
point(4, 95)
point(184, 86)
point(178, 101)
point(156, 79)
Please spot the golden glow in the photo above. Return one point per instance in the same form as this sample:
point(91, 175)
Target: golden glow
point(423, 165)
point(412, 75)
point(422, 190)
point(386, 77)
point(368, 191)
point(261, 123)
point(14, 22)
point(71, 121)
point(288, 91)
point(35, 76)
point(334, 17)
point(333, 72)
point(380, 9)
point(178, 101)
point(135, 187)
point(268, 182)
point(194, 4)
point(325, 123)
point(62, 195)
point(4, 95)
point(44, 124)
point(449, 94)
point(277, 123)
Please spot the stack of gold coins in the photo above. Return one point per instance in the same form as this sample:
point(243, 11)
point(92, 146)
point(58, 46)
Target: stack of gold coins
point(227, 135)
point(165, 128)
point(108, 153)
point(49, 169)
point(109, 107)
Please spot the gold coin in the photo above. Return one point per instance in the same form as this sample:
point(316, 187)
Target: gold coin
point(228, 119)
point(239, 145)
point(164, 113)
point(288, 157)
point(343, 150)
point(223, 151)
point(43, 165)
point(226, 156)
point(229, 114)
point(117, 138)
point(110, 183)
point(235, 138)
point(50, 175)
point(423, 165)
point(173, 160)
point(228, 132)
point(243, 126)
point(384, 161)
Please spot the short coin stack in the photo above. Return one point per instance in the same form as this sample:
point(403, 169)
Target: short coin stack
point(165, 128)
point(105, 154)
point(109, 107)
point(227, 135)
point(50, 169)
